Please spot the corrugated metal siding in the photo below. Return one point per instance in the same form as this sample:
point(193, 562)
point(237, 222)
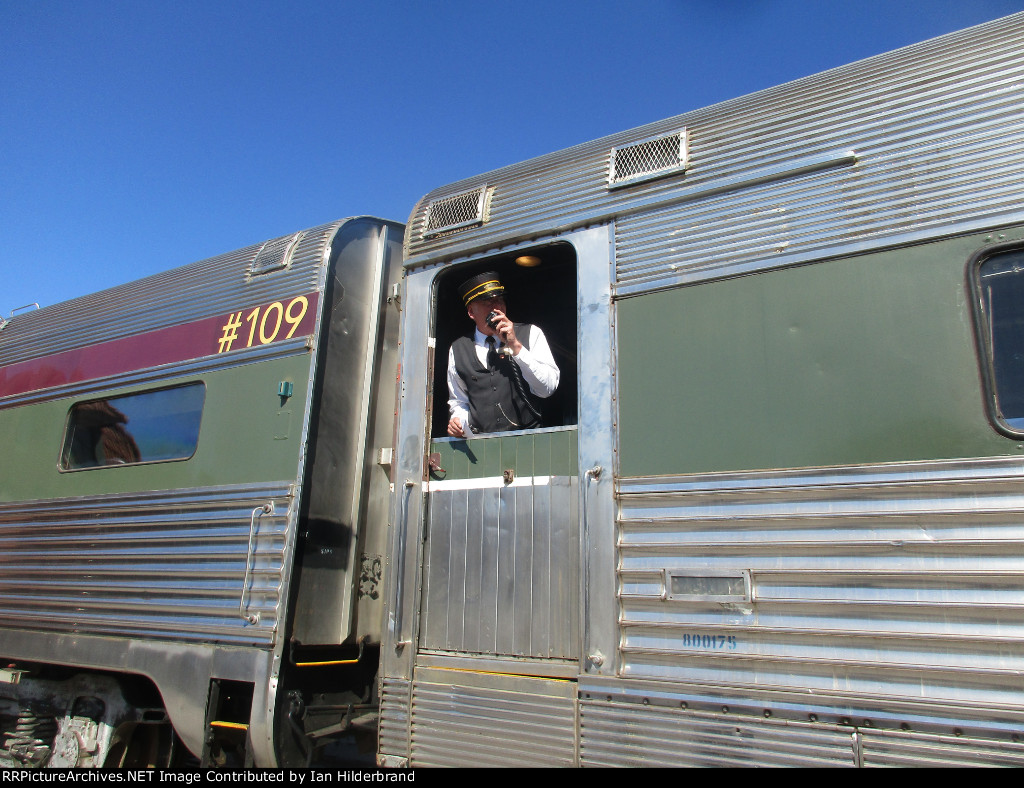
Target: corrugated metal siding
point(954, 164)
point(619, 732)
point(624, 734)
point(393, 729)
point(501, 570)
point(937, 133)
point(902, 581)
point(483, 720)
point(159, 565)
point(201, 289)
point(889, 748)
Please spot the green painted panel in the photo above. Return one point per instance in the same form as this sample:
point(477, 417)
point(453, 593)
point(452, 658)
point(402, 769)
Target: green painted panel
point(862, 360)
point(247, 435)
point(548, 453)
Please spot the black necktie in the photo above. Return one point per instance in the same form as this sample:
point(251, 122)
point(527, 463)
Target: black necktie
point(492, 356)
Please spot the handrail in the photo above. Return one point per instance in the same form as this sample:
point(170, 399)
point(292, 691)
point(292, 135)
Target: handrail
point(259, 511)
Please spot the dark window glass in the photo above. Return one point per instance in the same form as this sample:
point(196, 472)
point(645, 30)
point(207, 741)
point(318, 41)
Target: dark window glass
point(146, 427)
point(1001, 280)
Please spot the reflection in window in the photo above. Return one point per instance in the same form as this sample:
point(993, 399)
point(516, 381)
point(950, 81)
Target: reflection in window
point(147, 427)
point(1002, 294)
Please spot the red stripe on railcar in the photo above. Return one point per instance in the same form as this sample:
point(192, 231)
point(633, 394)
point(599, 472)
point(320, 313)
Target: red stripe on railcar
point(253, 326)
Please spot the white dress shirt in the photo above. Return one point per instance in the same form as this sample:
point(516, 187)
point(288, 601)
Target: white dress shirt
point(538, 366)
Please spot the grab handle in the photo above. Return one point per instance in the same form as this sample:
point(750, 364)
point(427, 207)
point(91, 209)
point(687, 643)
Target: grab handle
point(259, 511)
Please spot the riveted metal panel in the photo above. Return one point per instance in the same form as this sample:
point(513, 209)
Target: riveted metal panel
point(633, 721)
point(461, 718)
point(915, 143)
point(616, 733)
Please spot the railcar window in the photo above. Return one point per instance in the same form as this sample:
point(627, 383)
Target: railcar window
point(1001, 285)
point(146, 427)
point(540, 287)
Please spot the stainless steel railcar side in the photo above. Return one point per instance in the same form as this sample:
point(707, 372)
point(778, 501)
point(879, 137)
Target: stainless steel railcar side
point(774, 517)
point(191, 510)
point(777, 516)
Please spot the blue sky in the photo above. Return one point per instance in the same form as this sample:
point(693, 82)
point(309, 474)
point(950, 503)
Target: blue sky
point(138, 135)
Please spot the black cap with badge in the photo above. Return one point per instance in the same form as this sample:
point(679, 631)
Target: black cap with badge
point(485, 284)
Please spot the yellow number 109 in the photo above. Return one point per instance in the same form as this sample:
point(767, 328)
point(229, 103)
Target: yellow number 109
point(271, 326)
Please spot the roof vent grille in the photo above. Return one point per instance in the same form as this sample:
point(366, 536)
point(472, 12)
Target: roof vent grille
point(275, 255)
point(447, 214)
point(643, 161)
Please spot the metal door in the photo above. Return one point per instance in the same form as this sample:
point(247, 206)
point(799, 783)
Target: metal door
point(501, 559)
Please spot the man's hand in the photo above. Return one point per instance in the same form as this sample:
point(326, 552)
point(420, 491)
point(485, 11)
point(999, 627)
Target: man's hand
point(505, 329)
point(455, 428)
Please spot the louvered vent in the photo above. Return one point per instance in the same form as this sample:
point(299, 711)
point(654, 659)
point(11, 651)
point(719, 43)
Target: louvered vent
point(275, 255)
point(648, 159)
point(457, 212)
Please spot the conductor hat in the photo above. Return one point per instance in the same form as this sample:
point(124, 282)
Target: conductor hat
point(482, 285)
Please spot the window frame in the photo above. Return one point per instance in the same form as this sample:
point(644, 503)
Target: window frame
point(447, 277)
point(982, 326)
point(67, 436)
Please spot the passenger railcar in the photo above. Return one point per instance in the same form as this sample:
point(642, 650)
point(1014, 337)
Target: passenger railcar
point(775, 514)
point(782, 521)
point(183, 543)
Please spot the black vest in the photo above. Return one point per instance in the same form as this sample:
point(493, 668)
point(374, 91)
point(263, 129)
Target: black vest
point(495, 401)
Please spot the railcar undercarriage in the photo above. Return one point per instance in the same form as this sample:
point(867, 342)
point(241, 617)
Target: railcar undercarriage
point(57, 718)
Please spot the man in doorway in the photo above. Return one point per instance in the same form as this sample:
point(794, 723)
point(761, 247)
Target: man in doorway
point(497, 378)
